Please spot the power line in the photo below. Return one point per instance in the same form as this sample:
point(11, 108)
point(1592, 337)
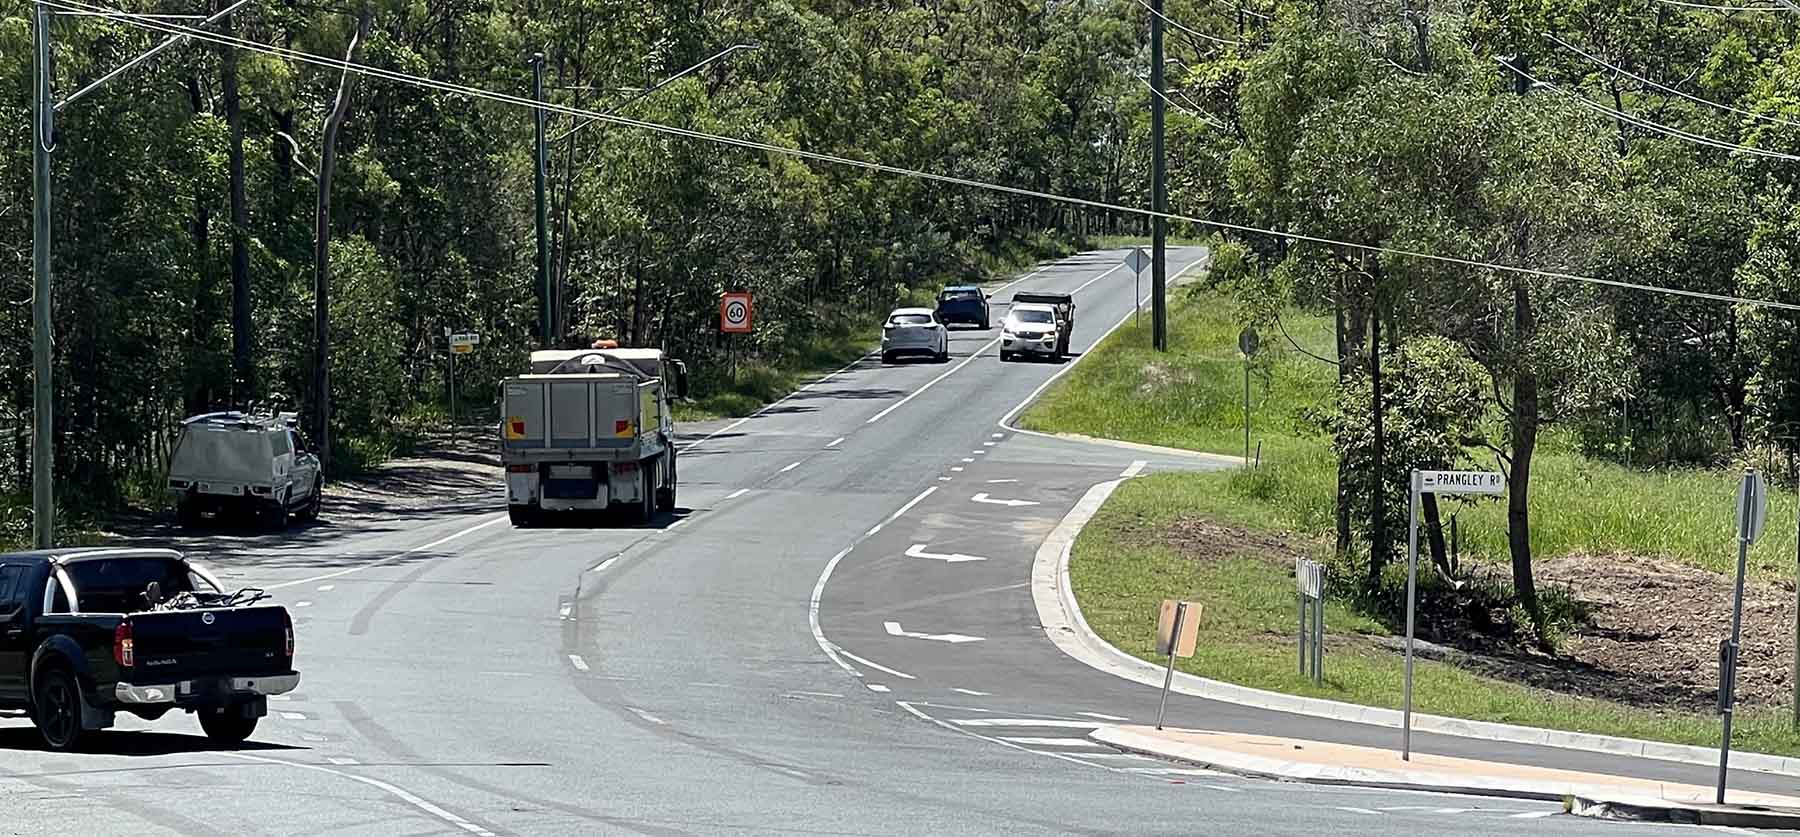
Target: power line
point(1711, 7)
point(1658, 127)
point(1692, 98)
point(1188, 29)
point(1181, 108)
point(718, 139)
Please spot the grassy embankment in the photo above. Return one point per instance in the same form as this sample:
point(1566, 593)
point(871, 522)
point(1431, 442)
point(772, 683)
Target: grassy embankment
point(1134, 554)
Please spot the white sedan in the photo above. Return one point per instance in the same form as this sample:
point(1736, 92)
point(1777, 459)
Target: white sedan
point(914, 331)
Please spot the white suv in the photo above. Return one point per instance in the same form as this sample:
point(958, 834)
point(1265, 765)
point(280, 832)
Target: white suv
point(232, 464)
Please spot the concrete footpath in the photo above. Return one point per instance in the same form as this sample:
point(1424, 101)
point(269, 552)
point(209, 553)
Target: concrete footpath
point(1586, 794)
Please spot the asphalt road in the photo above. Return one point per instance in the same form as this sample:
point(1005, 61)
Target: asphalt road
point(464, 677)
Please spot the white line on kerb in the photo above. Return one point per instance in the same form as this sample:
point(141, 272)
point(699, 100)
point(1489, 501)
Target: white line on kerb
point(790, 466)
point(1024, 722)
point(877, 666)
point(835, 442)
point(1103, 716)
point(405, 795)
point(388, 560)
point(579, 663)
point(1136, 467)
point(738, 493)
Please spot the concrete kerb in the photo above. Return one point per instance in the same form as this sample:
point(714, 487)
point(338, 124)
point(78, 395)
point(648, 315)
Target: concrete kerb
point(1063, 623)
point(1660, 810)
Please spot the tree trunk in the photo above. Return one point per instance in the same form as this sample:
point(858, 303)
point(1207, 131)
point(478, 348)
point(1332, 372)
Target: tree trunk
point(334, 123)
point(243, 377)
point(1434, 531)
point(1378, 533)
point(1524, 444)
point(1345, 370)
point(196, 399)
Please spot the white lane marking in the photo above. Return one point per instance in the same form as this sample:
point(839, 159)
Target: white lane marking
point(1352, 810)
point(989, 444)
point(790, 466)
point(979, 452)
point(1102, 716)
point(818, 694)
point(340, 760)
point(388, 560)
point(835, 442)
point(812, 614)
point(877, 666)
point(933, 382)
point(999, 435)
point(771, 405)
point(705, 685)
point(1116, 268)
point(1006, 420)
point(1025, 277)
point(877, 687)
point(601, 567)
point(281, 697)
point(302, 603)
point(956, 468)
point(998, 482)
point(894, 629)
point(910, 503)
point(738, 493)
point(943, 479)
point(1533, 815)
point(917, 550)
point(1177, 771)
point(972, 692)
point(1225, 789)
point(1053, 742)
point(984, 498)
point(968, 459)
point(405, 795)
point(1453, 810)
point(579, 663)
point(1137, 467)
point(293, 716)
point(1025, 722)
point(647, 716)
point(915, 712)
point(326, 588)
point(313, 738)
point(872, 530)
point(1120, 756)
point(677, 524)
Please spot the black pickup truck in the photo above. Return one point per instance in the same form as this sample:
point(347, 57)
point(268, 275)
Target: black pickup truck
point(87, 633)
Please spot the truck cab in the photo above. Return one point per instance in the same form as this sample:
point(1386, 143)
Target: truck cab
point(591, 430)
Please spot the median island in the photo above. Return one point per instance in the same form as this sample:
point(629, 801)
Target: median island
point(1632, 563)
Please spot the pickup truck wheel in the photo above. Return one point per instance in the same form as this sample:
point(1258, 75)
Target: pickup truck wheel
point(315, 502)
point(187, 513)
point(1006, 357)
point(984, 324)
point(226, 725)
point(56, 709)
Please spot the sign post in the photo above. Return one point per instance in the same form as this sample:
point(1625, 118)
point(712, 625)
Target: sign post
point(1436, 482)
point(1752, 513)
point(460, 344)
point(1309, 577)
point(1137, 260)
point(1176, 635)
point(1248, 343)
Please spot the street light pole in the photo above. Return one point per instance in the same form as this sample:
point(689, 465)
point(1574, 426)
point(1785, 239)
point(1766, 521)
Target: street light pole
point(1159, 188)
point(545, 335)
point(43, 502)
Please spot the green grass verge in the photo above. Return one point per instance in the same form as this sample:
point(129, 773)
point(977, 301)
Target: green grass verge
point(1119, 574)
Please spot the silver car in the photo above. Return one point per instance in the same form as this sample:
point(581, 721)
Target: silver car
point(914, 331)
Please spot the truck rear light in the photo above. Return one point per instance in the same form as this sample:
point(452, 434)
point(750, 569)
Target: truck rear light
point(123, 653)
point(520, 469)
point(287, 627)
point(622, 426)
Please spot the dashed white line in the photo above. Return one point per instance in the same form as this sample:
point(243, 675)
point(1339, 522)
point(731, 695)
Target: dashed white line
point(835, 442)
point(968, 459)
point(943, 479)
point(997, 482)
point(1025, 722)
point(1136, 467)
point(647, 716)
point(877, 687)
point(293, 716)
point(971, 692)
point(579, 663)
point(790, 466)
point(956, 468)
point(406, 796)
point(873, 529)
point(303, 603)
point(1102, 716)
point(340, 760)
point(388, 560)
point(933, 382)
point(1224, 789)
point(771, 405)
point(326, 588)
point(738, 493)
point(818, 694)
point(999, 435)
point(989, 444)
point(877, 666)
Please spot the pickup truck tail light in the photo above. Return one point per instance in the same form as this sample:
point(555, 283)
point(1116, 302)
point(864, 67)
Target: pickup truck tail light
point(521, 469)
point(287, 627)
point(123, 652)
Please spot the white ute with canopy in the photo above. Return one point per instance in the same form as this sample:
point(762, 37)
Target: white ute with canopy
point(590, 429)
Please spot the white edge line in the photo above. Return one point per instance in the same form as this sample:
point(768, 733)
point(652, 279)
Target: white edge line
point(403, 794)
point(738, 493)
point(601, 567)
point(835, 442)
point(771, 405)
point(907, 705)
point(579, 663)
point(910, 503)
point(789, 467)
point(877, 666)
point(877, 687)
point(388, 560)
point(812, 614)
point(1136, 467)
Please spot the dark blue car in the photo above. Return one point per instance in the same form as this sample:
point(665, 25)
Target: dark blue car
point(963, 304)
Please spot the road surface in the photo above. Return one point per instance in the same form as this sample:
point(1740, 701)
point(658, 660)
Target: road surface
point(771, 659)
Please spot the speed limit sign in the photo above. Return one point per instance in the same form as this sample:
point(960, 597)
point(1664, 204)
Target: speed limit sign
point(734, 313)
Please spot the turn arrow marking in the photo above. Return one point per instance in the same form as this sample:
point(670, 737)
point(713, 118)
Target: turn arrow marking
point(918, 551)
point(984, 498)
point(894, 629)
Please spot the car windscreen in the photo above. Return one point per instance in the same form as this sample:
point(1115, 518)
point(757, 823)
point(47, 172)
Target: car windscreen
point(116, 585)
point(1032, 317)
point(910, 319)
point(952, 296)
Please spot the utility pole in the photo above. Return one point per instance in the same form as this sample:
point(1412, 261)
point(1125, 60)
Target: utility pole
point(546, 337)
point(1419, 28)
point(1159, 189)
point(43, 502)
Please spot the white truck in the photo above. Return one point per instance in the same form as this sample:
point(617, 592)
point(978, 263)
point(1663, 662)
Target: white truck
point(590, 430)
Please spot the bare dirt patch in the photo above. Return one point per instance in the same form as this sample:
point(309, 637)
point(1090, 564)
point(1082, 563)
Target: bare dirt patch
point(1647, 635)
